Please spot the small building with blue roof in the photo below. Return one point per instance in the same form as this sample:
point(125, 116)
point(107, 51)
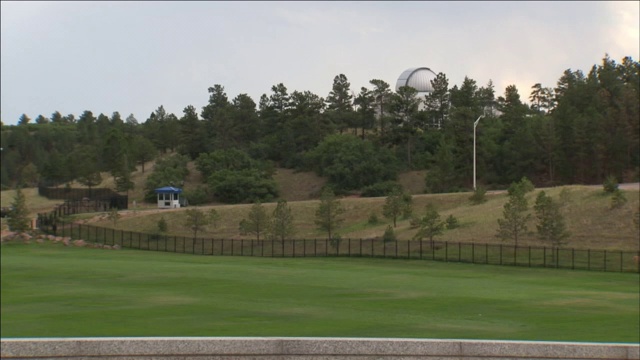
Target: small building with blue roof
point(168, 197)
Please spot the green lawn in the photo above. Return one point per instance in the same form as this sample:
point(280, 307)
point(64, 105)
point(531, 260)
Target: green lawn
point(50, 290)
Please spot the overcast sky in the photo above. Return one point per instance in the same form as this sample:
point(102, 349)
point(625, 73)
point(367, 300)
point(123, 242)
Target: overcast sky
point(132, 57)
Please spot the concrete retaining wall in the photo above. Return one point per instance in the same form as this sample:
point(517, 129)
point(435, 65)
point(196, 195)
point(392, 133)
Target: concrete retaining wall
point(187, 348)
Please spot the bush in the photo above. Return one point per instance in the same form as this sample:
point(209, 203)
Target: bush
point(389, 235)
point(618, 199)
point(162, 225)
point(198, 196)
point(245, 186)
point(610, 184)
point(452, 222)
point(373, 218)
point(524, 185)
point(479, 196)
point(384, 188)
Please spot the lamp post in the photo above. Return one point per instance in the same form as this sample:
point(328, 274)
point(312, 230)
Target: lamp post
point(474, 150)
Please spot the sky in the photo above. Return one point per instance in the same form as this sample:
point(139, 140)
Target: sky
point(133, 57)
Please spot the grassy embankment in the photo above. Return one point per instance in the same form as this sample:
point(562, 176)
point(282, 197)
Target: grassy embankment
point(51, 290)
point(593, 225)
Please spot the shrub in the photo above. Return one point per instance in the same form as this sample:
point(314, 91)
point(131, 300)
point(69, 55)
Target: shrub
point(452, 222)
point(389, 235)
point(618, 199)
point(244, 186)
point(162, 225)
point(524, 185)
point(610, 184)
point(479, 196)
point(198, 196)
point(373, 218)
point(384, 188)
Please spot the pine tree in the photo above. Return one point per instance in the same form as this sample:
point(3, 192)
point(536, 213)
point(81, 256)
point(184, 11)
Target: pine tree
point(430, 224)
point(114, 216)
point(395, 205)
point(514, 223)
point(551, 226)
point(281, 224)
point(328, 213)
point(196, 220)
point(19, 215)
point(257, 221)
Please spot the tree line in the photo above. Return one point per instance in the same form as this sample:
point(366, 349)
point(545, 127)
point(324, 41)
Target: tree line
point(581, 131)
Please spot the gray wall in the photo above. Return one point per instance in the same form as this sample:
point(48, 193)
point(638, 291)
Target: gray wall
point(200, 348)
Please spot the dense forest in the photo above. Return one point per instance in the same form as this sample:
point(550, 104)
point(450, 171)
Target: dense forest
point(581, 131)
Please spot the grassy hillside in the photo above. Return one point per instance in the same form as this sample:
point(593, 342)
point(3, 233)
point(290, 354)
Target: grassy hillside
point(589, 219)
point(51, 290)
point(588, 215)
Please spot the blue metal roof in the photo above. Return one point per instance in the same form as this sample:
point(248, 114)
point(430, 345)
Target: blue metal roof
point(168, 190)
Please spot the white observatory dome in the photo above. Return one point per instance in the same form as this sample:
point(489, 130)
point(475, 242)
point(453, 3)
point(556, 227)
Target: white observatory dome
point(418, 78)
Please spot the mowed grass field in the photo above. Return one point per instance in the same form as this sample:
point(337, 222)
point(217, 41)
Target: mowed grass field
point(52, 291)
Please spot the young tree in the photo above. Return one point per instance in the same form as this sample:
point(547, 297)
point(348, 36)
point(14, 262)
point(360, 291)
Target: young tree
point(328, 213)
point(19, 214)
point(515, 215)
point(257, 221)
point(430, 224)
point(214, 218)
point(114, 215)
point(395, 205)
point(551, 226)
point(163, 227)
point(281, 224)
point(196, 221)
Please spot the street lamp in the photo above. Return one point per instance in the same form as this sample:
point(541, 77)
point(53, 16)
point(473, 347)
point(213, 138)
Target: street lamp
point(474, 150)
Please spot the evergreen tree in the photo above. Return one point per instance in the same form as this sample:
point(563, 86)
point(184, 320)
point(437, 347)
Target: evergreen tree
point(123, 177)
point(114, 216)
point(430, 224)
point(514, 223)
point(196, 221)
point(192, 134)
point(382, 95)
point(257, 221)
point(328, 214)
point(340, 103)
point(281, 223)
point(19, 215)
point(396, 205)
point(24, 119)
point(437, 102)
point(551, 226)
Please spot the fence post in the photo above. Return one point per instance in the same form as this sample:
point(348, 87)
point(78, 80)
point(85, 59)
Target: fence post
point(620, 260)
point(446, 251)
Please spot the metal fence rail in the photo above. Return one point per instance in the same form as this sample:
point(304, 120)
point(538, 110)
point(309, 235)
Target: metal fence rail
point(491, 254)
